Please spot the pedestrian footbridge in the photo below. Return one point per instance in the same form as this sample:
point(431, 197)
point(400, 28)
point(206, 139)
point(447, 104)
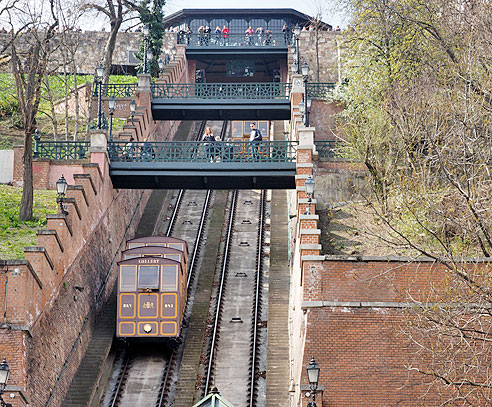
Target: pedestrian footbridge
point(200, 165)
point(221, 101)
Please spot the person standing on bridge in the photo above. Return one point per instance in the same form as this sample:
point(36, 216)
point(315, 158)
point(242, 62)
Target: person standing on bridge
point(209, 140)
point(254, 139)
point(225, 35)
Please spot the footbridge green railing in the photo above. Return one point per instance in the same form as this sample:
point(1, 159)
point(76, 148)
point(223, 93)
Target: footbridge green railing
point(202, 152)
point(61, 150)
point(248, 91)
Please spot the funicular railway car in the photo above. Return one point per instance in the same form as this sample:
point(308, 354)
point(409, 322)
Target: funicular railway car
point(152, 288)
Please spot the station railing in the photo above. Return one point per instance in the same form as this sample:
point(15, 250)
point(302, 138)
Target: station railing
point(265, 39)
point(320, 90)
point(117, 90)
point(227, 151)
point(61, 150)
point(326, 148)
point(266, 90)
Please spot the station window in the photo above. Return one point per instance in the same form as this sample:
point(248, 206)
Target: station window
point(258, 22)
point(238, 26)
point(148, 277)
point(221, 22)
point(128, 278)
point(276, 24)
point(169, 277)
point(196, 23)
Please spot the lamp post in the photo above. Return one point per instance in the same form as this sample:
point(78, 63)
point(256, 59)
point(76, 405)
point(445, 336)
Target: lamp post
point(161, 65)
point(309, 189)
point(146, 32)
point(133, 108)
point(61, 189)
point(297, 34)
point(111, 106)
point(305, 77)
point(174, 51)
point(99, 78)
point(4, 378)
point(313, 378)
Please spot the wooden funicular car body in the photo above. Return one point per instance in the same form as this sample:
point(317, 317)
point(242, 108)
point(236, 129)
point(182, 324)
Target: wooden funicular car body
point(152, 288)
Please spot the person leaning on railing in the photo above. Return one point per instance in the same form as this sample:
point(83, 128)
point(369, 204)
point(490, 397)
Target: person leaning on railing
point(129, 150)
point(225, 35)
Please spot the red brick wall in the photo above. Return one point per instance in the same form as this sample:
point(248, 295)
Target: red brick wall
point(323, 116)
point(359, 348)
point(77, 280)
point(362, 359)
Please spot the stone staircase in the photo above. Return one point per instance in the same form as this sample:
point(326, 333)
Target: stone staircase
point(84, 385)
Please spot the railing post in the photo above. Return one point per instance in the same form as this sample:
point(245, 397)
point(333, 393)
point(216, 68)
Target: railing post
point(37, 137)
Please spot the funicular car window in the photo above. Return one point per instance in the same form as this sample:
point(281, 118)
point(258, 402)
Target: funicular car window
point(148, 277)
point(175, 257)
point(133, 245)
point(130, 256)
point(178, 246)
point(128, 278)
point(157, 244)
point(169, 278)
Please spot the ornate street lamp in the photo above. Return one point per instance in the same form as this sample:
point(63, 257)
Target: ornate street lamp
point(313, 374)
point(305, 76)
point(133, 108)
point(4, 378)
point(174, 51)
point(61, 189)
point(297, 34)
point(309, 189)
point(146, 32)
point(111, 107)
point(99, 79)
point(161, 65)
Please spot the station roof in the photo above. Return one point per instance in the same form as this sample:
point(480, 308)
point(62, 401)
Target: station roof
point(294, 15)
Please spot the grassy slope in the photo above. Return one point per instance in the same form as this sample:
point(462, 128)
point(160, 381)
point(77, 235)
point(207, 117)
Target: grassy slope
point(14, 234)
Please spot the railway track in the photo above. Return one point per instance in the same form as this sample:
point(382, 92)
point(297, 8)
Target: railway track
point(141, 374)
point(237, 316)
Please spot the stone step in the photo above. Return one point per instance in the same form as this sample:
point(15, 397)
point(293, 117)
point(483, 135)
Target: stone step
point(85, 381)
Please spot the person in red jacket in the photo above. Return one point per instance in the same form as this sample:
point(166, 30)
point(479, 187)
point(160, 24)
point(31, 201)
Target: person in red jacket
point(225, 35)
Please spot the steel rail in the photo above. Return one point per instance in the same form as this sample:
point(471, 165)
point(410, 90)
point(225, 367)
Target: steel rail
point(172, 221)
point(194, 256)
point(257, 297)
point(121, 379)
point(221, 289)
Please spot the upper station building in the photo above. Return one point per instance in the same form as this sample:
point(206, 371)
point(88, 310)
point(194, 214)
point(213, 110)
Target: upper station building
point(236, 55)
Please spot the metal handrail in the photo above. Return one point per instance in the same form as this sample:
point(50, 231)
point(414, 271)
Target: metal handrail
point(320, 90)
point(118, 90)
point(262, 90)
point(61, 150)
point(180, 151)
point(326, 148)
point(255, 40)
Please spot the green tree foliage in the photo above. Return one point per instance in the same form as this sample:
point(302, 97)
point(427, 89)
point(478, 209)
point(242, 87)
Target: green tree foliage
point(151, 14)
point(418, 106)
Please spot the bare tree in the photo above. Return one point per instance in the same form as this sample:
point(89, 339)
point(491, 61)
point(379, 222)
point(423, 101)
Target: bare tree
point(418, 115)
point(117, 11)
point(36, 32)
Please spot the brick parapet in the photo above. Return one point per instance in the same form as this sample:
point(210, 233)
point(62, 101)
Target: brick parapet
point(74, 267)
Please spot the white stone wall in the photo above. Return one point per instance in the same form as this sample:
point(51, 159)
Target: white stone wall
point(6, 166)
